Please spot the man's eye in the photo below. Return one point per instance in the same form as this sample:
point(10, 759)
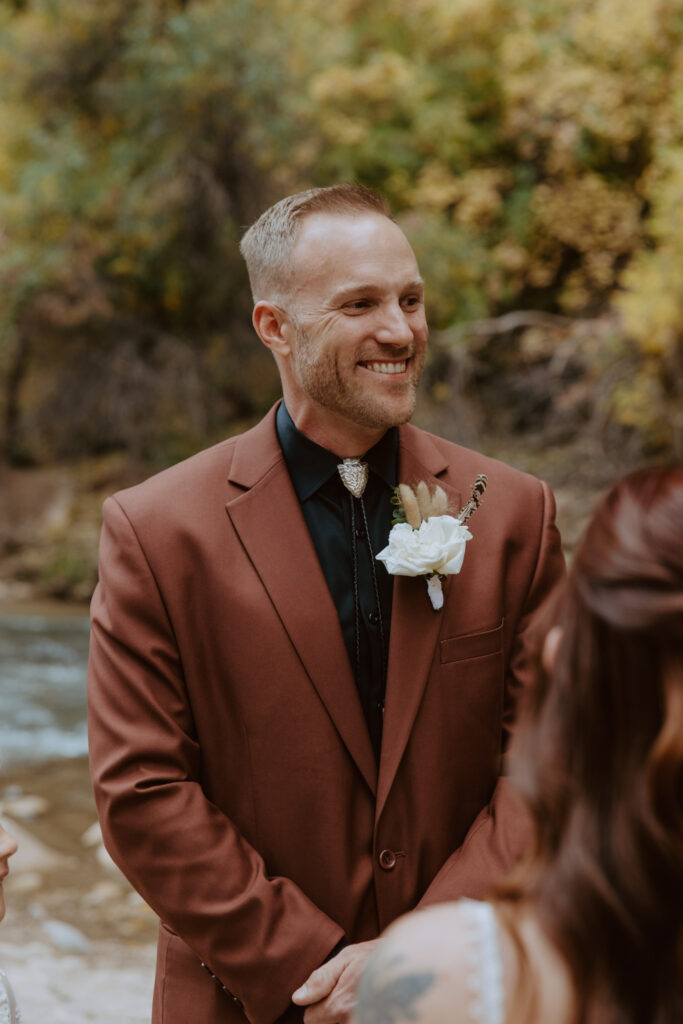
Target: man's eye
point(412, 301)
point(357, 306)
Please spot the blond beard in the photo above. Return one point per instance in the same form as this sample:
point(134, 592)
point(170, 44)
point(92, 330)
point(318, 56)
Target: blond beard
point(320, 379)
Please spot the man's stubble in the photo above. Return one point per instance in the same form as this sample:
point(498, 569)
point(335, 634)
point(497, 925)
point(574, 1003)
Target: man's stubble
point(319, 376)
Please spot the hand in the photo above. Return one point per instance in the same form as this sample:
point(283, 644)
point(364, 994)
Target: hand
point(330, 991)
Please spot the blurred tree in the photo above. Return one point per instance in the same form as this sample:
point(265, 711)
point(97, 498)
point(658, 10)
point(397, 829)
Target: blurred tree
point(131, 159)
point(532, 149)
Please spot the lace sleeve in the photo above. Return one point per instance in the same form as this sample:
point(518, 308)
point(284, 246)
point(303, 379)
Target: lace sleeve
point(441, 964)
point(484, 964)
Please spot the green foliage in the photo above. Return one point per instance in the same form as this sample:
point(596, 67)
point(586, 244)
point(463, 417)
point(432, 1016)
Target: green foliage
point(398, 514)
point(532, 149)
point(68, 574)
point(128, 168)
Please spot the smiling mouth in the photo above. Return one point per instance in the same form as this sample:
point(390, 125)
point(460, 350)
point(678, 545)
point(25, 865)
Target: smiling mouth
point(384, 367)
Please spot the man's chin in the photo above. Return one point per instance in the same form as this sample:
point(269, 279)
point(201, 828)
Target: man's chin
point(386, 415)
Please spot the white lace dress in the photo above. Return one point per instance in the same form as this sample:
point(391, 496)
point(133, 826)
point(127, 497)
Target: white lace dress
point(9, 1011)
point(485, 967)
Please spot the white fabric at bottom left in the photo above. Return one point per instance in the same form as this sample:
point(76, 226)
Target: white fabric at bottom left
point(9, 1011)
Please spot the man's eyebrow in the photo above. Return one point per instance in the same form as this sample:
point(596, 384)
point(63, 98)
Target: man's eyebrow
point(368, 288)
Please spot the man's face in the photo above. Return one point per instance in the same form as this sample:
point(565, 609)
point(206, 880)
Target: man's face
point(358, 325)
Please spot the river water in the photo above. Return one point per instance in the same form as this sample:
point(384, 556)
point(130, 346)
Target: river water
point(42, 688)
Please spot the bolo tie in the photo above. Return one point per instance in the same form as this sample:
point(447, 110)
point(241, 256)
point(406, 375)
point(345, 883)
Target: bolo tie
point(354, 475)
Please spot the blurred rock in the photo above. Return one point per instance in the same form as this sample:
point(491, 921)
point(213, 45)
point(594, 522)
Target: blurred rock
point(112, 984)
point(101, 893)
point(33, 503)
point(28, 881)
point(66, 938)
point(32, 856)
point(25, 808)
point(93, 835)
point(106, 862)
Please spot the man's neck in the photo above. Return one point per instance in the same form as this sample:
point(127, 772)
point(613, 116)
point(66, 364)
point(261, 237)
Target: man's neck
point(346, 439)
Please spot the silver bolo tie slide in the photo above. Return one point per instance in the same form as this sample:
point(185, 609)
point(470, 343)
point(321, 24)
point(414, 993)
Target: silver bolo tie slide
point(354, 475)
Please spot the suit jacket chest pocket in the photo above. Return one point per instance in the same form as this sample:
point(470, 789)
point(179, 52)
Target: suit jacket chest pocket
point(472, 686)
point(471, 646)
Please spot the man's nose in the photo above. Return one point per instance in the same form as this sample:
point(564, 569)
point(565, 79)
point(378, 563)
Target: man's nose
point(394, 327)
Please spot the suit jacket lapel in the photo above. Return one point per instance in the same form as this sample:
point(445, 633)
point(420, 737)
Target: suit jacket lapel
point(269, 521)
point(414, 623)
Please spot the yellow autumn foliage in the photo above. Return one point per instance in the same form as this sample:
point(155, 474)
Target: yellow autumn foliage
point(532, 149)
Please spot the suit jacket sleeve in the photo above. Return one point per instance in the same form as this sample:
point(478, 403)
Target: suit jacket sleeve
point(261, 936)
point(501, 832)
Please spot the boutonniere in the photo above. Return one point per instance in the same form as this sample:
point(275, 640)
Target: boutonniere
point(425, 540)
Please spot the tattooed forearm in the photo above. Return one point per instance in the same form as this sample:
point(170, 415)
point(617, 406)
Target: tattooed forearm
point(387, 995)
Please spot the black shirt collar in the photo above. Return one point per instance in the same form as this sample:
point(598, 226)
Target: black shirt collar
point(310, 465)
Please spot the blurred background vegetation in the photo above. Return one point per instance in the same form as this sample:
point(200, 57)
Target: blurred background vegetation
point(531, 149)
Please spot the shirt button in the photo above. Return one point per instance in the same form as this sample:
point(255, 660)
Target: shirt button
point(387, 860)
point(374, 618)
point(360, 533)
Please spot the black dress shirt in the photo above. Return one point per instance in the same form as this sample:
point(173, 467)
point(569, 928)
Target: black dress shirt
point(330, 510)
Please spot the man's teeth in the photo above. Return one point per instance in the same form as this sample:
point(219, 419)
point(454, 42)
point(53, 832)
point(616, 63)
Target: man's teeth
point(387, 367)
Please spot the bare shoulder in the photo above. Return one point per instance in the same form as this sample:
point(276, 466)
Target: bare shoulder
point(431, 966)
point(419, 971)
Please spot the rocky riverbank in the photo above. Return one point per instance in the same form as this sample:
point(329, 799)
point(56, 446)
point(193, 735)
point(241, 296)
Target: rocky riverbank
point(78, 942)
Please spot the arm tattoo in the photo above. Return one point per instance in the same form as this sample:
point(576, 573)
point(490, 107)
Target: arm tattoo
point(386, 996)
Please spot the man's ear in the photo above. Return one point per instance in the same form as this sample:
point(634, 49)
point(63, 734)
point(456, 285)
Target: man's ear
point(551, 646)
point(273, 327)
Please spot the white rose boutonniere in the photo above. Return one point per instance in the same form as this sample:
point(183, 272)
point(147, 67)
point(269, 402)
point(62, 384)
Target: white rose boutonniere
point(425, 540)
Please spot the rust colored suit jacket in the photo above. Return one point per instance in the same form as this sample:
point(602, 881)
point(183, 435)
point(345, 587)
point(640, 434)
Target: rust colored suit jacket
point(232, 766)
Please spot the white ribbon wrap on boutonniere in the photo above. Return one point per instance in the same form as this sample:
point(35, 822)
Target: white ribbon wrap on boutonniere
point(425, 540)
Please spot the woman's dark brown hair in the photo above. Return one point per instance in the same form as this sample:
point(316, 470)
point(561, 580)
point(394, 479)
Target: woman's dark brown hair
point(599, 756)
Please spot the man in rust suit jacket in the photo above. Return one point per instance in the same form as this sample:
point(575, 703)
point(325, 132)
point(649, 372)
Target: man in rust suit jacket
point(234, 773)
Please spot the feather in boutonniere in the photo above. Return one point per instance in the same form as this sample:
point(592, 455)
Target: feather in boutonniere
point(425, 540)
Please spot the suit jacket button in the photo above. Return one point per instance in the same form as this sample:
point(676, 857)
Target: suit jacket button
point(387, 860)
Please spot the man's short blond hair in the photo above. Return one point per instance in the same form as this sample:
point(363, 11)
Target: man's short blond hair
point(268, 244)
